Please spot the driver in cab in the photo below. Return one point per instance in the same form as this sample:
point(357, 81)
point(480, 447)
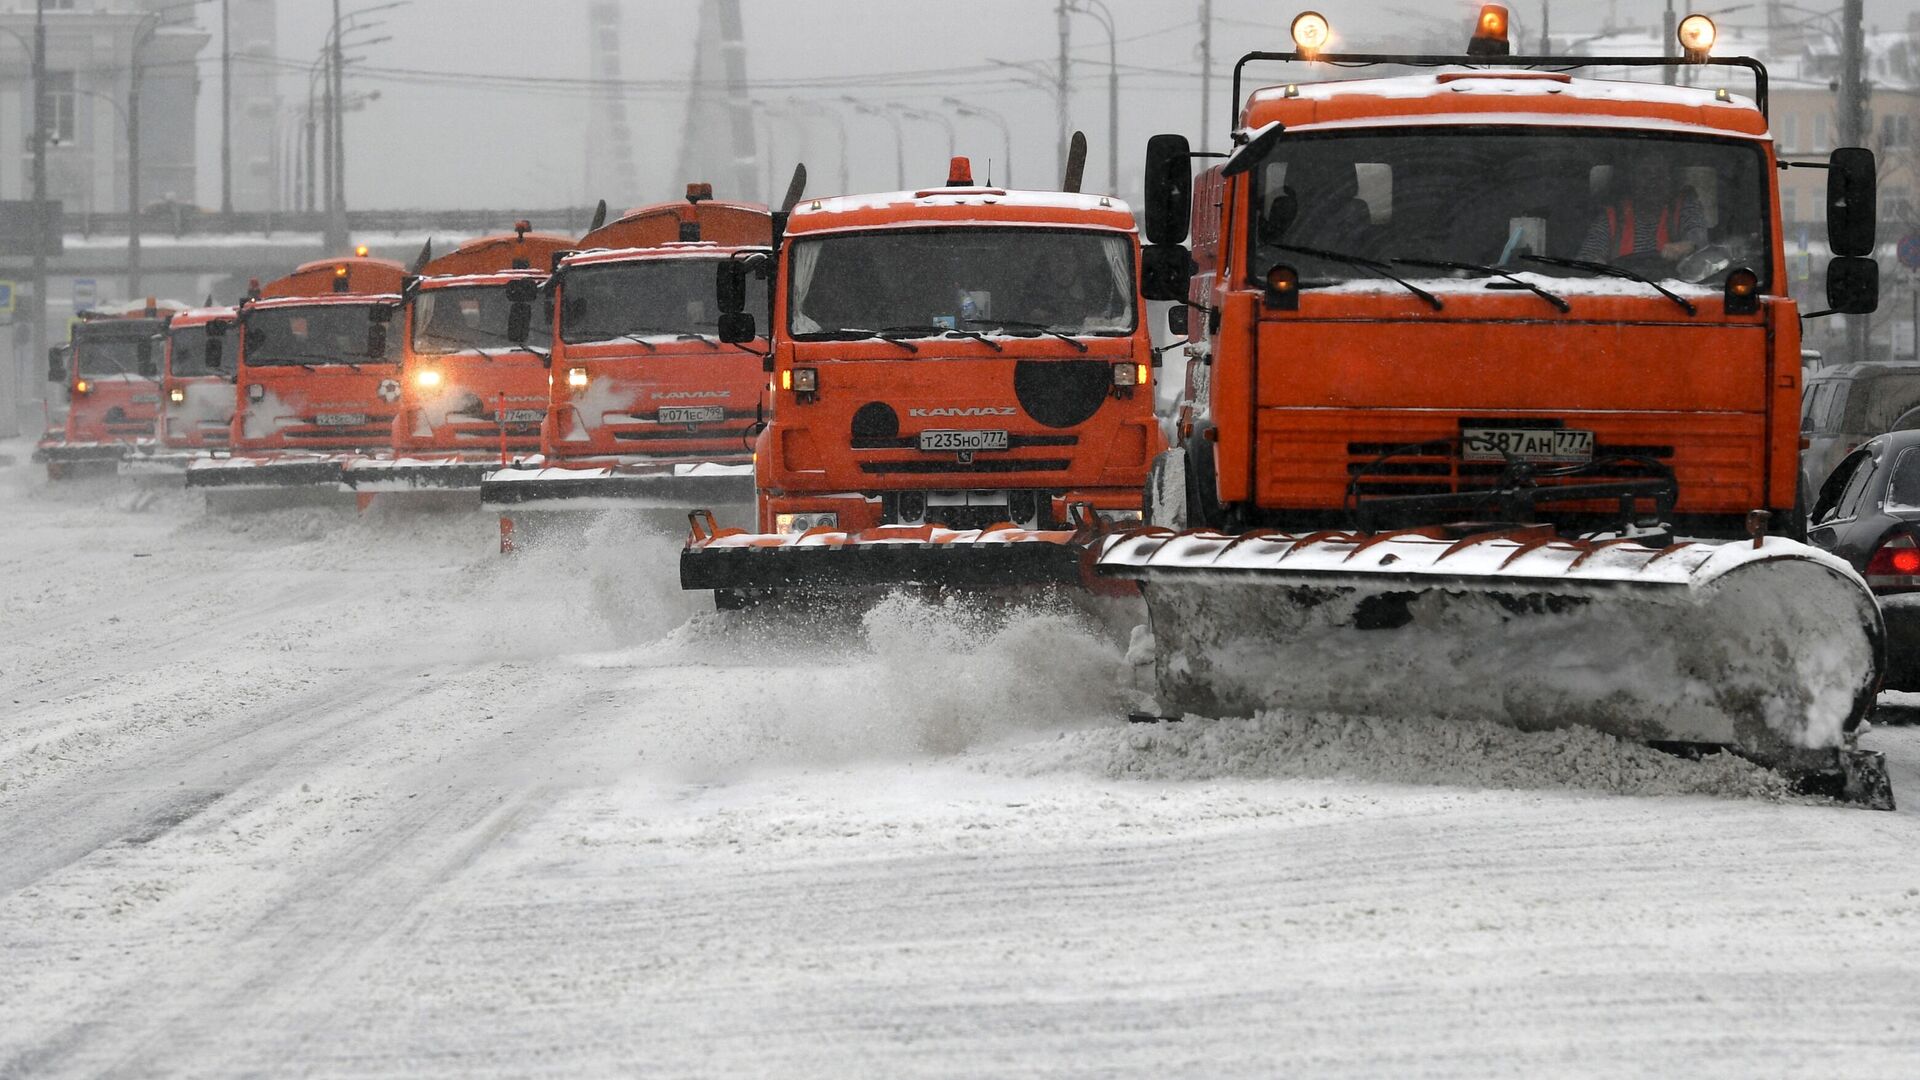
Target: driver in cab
point(1653, 219)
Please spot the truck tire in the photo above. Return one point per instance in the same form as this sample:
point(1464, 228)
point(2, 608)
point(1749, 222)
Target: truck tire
point(1203, 493)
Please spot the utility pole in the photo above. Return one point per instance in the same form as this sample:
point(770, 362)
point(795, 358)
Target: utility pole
point(41, 225)
point(1546, 27)
point(1206, 72)
point(1671, 44)
point(1061, 107)
point(226, 109)
point(133, 173)
point(336, 138)
point(1853, 132)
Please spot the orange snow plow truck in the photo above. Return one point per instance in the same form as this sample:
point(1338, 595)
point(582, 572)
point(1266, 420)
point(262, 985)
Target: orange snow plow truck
point(473, 365)
point(112, 376)
point(962, 386)
point(649, 409)
point(1500, 397)
point(315, 381)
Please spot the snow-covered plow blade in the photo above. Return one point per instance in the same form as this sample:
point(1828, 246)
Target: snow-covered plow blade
point(269, 472)
point(65, 460)
point(417, 474)
point(738, 566)
point(678, 487)
point(1769, 649)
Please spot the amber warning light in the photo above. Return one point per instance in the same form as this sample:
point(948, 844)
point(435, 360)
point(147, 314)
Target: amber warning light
point(1490, 33)
point(1311, 33)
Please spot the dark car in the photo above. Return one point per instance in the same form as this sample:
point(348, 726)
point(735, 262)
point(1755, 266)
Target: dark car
point(1868, 513)
point(1845, 405)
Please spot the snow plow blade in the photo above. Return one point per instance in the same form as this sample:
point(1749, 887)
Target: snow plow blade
point(1769, 649)
point(678, 487)
point(826, 561)
point(268, 473)
point(399, 475)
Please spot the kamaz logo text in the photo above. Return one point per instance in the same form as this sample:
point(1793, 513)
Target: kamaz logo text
point(990, 410)
point(683, 395)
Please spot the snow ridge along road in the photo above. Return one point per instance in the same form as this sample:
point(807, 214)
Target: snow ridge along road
point(304, 793)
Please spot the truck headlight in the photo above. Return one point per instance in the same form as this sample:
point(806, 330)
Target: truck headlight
point(427, 379)
point(577, 378)
point(799, 523)
point(256, 392)
point(177, 396)
point(1125, 375)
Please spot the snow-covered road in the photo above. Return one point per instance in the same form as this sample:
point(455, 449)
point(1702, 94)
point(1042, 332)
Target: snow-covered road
point(300, 793)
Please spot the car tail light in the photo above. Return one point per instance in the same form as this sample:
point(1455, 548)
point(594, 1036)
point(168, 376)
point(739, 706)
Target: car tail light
point(1896, 565)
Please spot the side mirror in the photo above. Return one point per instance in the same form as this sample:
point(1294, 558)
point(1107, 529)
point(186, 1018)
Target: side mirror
point(1169, 189)
point(210, 353)
point(1177, 322)
point(57, 364)
point(376, 340)
point(255, 339)
point(1166, 272)
point(519, 322)
point(1852, 202)
point(1853, 286)
point(143, 359)
point(522, 291)
point(730, 289)
point(380, 314)
point(736, 327)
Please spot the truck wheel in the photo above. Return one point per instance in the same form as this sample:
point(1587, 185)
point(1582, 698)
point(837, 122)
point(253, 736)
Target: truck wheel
point(1203, 493)
point(1166, 495)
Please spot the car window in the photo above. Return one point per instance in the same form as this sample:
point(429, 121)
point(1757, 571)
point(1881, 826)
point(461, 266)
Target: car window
point(1903, 487)
point(1835, 420)
point(1879, 402)
point(1847, 477)
point(1812, 404)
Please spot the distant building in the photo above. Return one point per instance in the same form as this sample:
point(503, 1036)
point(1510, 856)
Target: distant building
point(92, 49)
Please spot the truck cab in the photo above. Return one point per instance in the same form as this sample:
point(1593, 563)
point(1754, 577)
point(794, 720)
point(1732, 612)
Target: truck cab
point(474, 349)
point(112, 378)
point(1481, 294)
point(640, 375)
point(315, 369)
point(958, 356)
point(196, 399)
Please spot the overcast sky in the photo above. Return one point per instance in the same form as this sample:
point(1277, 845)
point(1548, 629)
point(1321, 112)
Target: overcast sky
point(435, 139)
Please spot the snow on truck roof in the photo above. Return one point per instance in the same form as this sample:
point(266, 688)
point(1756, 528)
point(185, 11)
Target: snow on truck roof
point(681, 250)
point(1463, 95)
point(961, 206)
point(201, 316)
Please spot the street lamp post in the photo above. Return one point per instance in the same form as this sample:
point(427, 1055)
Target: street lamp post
point(961, 108)
point(814, 108)
point(336, 232)
point(899, 137)
point(931, 117)
point(1099, 10)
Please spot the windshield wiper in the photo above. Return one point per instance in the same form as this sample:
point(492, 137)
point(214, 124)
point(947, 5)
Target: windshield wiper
point(1385, 270)
point(851, 333)
point(941, 331)
point(1037, 328)
point(1558, 302)
point(1610, 270)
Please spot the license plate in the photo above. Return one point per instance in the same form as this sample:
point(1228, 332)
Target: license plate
point(340, 419)
point(1525, 444)
point(692, 414)
point(963, 440)
point(523, 416)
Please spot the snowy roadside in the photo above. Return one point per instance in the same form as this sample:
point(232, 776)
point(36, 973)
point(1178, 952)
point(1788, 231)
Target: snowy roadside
point(374, 801)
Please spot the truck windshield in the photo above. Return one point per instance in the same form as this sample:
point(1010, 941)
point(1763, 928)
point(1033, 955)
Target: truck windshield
point(647, 298)
point(187, 355)
point(116, 355)
point(971, 277)
point(320, 334)
point(1663, 206)
point(470, 317)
